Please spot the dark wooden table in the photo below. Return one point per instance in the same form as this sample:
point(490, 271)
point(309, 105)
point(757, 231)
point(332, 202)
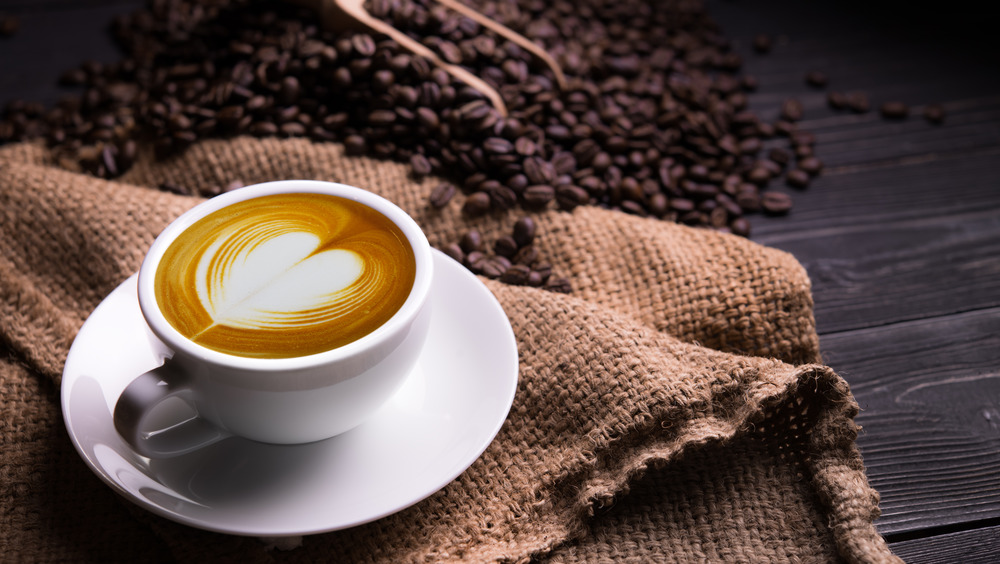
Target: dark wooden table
point(900, 235)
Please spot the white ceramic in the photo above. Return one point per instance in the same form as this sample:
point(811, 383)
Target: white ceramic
point(276, 400)
point(436, 425)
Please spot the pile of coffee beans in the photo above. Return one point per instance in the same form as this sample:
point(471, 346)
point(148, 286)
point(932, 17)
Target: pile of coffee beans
point(512, 259)
point(653, 122)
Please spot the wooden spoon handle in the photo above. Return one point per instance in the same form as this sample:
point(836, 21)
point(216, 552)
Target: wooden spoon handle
point(511, 35)
point(422, 50)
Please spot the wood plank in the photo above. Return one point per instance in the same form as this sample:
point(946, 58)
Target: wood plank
point(977, 546)
point(935, 185)
point(880, 272)
point(929, 392)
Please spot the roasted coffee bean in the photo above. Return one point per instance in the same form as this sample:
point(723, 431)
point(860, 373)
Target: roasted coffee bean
point(420, 165)
point(560, 285)
point(442, 194)
point(494, 267)
point(471, 241)
point(836, 100)
point(498, 146)
point(791, 110)
point(570, 197)
point(894, 110)
point(934, 113)
point(524, 231)
point(797, 178)
point(779, 156)
point(476, 204)
point(740, 226)
point(505, 246)
point(775, 203)
point(858, 102)
point(8, 25)
point(355, 145)
point(502, 197)
point(538, 195)
point(517, 274)
point(816, 78)
point(811, 165)
point(762, 43)
point(526, 255)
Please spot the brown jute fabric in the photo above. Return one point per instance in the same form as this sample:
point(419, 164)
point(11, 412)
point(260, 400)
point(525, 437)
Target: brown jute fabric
point(672, 408)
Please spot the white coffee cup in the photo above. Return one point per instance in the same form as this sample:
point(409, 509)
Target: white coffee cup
point(290, 400)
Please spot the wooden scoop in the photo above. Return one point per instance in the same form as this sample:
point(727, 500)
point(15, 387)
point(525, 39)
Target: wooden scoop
point(351, 14)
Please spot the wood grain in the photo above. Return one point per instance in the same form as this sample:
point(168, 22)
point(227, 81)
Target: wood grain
point(979, 546)
point(900, 234)
point(878, 271)
point(929, 392)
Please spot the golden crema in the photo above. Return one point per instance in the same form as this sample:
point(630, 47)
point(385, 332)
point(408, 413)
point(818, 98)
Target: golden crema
point(285, 275)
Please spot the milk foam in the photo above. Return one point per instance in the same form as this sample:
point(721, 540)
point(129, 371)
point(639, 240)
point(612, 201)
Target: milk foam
point(285, 275)
point(275, 282)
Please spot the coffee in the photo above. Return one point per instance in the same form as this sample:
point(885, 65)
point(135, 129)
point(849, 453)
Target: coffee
point(285, 276)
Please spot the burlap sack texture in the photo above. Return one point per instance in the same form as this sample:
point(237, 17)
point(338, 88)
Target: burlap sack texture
point(673, 408)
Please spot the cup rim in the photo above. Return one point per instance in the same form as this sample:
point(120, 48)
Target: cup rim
point(400, 320)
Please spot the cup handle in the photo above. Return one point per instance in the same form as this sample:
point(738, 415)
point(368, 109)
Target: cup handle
point(139, 401)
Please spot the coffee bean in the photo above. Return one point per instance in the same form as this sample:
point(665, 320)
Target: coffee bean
point(779, 156)
point(442, 194)
point(740, 226)
point(836, 100)
point(421, 166)
point(502, 197)
point(791, 110)
point(775, 203)
point(476, 204)
point(894, 110)
point(816, 78)
point(517, 274)
point(505, 246)
point(934, 113)
point(491, 267)
point(858, 102)
point(472, 241)
point(762, 43)
point(811, 165)
point(355, 145)
point(560, 285)
point(526, 255)
point(524, 231)
point(498, 145)
point(797, 178)
point(538, 195)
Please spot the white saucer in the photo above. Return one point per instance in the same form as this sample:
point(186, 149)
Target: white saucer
point(435, 427)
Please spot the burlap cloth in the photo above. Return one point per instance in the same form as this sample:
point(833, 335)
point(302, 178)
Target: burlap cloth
point(672, 408)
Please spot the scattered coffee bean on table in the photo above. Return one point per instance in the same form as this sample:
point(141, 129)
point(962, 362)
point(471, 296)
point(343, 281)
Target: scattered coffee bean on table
point(837, 100)
point(817, 79)
point(762, 43)
point(9, 25)
point(934, 113)
point(858, 102)
point(894, 110)
point(797, 178)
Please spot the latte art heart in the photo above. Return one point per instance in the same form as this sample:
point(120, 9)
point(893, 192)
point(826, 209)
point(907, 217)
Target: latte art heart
point(281, 281)
point(285, 275)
